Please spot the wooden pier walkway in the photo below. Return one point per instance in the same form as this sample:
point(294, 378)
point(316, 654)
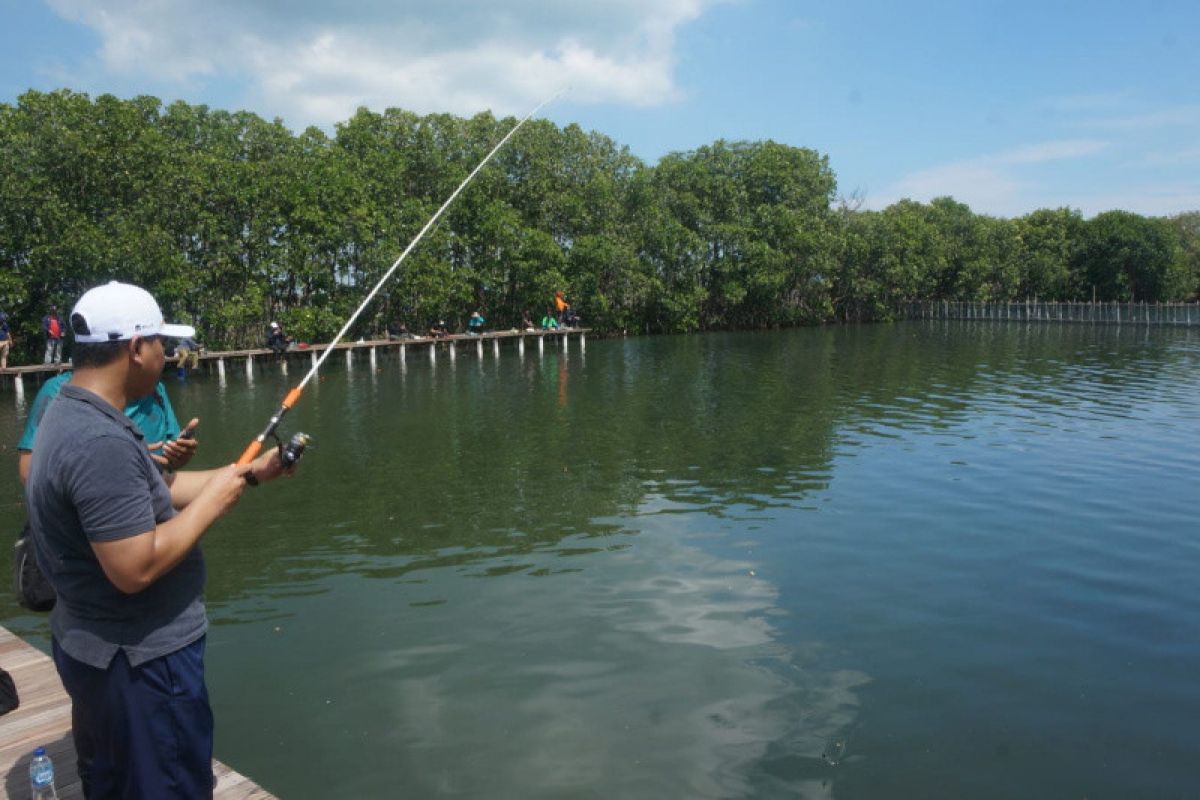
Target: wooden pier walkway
point(217, 360)
point(44, 718)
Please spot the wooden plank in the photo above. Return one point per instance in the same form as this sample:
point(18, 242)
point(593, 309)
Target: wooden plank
point(44, 718)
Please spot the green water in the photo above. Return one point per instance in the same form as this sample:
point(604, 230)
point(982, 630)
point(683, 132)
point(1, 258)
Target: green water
point(903, 561)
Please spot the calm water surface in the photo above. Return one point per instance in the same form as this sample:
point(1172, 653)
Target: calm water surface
point(909, 561)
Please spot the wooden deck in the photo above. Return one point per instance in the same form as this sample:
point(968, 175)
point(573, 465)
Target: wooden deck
point(44, 718)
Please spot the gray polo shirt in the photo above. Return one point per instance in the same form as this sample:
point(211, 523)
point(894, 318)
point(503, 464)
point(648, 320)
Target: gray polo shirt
point(92, 480)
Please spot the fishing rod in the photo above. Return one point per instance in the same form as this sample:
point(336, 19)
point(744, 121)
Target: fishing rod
point(291, 452)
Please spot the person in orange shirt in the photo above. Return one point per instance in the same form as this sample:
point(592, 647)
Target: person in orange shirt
point(560, 305)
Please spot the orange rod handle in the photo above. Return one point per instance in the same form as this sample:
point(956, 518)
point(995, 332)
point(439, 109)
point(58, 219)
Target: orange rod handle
point(250, 453)
point(292, 397)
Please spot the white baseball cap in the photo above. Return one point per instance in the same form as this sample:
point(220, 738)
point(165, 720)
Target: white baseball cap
point(117, 311)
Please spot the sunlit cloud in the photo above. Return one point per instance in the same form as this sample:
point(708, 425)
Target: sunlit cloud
point(315, 62)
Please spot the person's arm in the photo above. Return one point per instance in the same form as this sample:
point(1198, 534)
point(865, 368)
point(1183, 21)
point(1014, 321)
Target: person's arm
point(134, 563)
point(24, 458)
point(188, 486)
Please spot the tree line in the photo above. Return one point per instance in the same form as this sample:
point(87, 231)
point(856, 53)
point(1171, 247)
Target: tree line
point(232, 221)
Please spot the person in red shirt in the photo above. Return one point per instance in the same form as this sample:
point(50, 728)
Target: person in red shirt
point(53, 326)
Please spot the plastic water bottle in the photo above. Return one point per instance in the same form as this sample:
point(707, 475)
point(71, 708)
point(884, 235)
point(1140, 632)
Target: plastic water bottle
point(41, 776)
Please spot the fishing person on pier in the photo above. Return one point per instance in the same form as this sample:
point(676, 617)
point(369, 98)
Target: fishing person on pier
point(119, 542)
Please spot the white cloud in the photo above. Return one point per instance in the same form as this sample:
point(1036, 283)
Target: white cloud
point(999, 183)
point(1048, 151)
point(1095, 101)
point(314, 62)
point(1187, 156)
point(1176, 117)
point(1150, 199)
point(979, 185)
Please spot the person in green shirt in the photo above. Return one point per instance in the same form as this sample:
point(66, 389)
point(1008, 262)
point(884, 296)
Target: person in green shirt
point(152, 414)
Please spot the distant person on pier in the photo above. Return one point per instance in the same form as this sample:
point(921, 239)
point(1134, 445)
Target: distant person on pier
point(527, 321)
point(5, 340)
point(475, 323)
point(560, 305)
point(549, 323)
point(569, 318)
point(439, 330)
point(397, 331)
point(277, 340)
point(187, 352)
point(52, 325)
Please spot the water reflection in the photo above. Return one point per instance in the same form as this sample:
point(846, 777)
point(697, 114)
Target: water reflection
point(649, 668)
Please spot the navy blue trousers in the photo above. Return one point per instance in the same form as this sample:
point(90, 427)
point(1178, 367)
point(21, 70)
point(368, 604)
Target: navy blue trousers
point(144, 731)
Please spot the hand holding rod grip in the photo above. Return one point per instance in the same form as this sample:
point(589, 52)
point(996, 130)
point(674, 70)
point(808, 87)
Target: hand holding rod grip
point(250, 453)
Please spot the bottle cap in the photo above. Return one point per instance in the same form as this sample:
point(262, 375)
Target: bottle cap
point(41, 751)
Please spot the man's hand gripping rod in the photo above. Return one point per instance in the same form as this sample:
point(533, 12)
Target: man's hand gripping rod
point(255, 447)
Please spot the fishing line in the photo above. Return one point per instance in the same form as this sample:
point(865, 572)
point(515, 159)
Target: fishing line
point(293, 450)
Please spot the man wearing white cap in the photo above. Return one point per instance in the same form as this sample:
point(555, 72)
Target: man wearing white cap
point(118, 541)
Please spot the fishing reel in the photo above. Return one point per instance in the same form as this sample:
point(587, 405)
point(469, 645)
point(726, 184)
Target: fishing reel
point(291, 452)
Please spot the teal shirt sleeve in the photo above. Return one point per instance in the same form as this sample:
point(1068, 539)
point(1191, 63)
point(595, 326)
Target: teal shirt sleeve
point(45, 395)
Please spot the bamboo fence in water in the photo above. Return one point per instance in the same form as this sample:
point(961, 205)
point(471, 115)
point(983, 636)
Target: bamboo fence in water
point(1181, 314)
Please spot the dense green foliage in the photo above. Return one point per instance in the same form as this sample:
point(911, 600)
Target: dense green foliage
point(232, 221)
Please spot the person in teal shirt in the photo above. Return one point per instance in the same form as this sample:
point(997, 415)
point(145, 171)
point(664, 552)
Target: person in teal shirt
point(475, 323)
point(153, 415)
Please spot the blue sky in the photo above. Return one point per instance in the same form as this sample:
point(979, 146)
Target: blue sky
point(1007, 106)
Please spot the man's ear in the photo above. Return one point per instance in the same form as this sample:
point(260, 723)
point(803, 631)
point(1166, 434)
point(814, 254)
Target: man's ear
point(135, 347)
